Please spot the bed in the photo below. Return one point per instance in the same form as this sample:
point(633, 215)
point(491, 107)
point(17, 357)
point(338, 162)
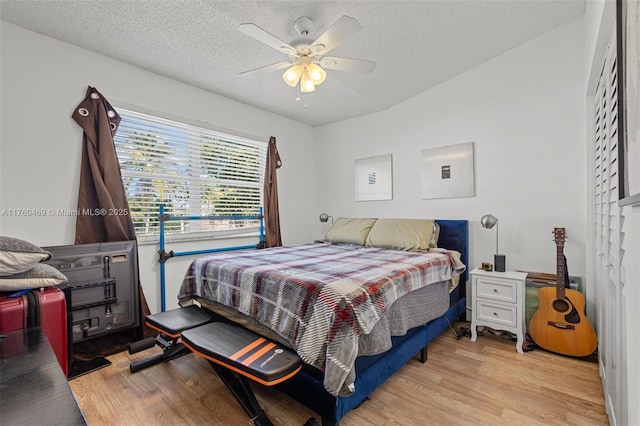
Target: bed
point(355, 307)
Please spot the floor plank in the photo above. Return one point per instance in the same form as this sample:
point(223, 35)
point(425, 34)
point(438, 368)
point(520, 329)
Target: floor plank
point(482, 383)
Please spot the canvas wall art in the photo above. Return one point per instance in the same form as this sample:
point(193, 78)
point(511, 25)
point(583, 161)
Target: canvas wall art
point(373, 178)
point(448, 171)
point(628, 52)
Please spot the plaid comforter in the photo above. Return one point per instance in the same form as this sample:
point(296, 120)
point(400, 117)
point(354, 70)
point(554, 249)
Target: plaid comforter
point(318, 297)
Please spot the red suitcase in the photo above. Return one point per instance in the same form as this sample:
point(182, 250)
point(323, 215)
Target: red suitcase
point(45, 307)
point(13, 314)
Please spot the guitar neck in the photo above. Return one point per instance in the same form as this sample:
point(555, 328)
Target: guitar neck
point(561, 265)
point(560, 269)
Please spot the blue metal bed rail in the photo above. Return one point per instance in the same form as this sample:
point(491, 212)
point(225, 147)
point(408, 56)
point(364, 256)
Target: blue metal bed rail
point(164, 255)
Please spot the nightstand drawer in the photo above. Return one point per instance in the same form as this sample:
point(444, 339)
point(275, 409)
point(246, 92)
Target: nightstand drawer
point(496, 289)
point(499, 314)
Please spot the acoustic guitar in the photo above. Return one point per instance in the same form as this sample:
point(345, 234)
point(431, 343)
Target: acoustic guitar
point(559, 325)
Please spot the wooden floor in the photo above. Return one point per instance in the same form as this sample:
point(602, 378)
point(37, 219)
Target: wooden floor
point(462, 383)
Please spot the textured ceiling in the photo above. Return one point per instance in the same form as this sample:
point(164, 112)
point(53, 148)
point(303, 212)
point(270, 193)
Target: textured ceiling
point(416, 44)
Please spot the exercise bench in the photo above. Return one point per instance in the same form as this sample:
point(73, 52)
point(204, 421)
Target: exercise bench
point(235, 353)
point(169, 325)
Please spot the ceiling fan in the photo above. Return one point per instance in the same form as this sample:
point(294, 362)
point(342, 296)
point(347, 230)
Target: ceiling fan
point(306, 57)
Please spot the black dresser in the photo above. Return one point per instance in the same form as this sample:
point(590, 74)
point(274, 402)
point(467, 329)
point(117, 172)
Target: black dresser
point(33, 387)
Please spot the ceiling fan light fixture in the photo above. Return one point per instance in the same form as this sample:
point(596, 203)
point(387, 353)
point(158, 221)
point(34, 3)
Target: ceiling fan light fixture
point(307, 58)
point(292, 75)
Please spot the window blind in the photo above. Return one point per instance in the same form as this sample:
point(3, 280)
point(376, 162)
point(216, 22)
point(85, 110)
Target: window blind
point(193, 171)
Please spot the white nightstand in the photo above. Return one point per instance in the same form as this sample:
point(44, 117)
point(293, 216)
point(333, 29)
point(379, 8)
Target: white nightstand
point(497, 301)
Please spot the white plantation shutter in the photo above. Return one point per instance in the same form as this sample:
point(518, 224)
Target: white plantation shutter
point(193, 171)
point(609, 240)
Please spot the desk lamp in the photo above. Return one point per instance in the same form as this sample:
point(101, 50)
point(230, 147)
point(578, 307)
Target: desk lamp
point(488, 221)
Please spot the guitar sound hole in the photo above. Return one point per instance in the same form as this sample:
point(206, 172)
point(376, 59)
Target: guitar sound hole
point(560, 305)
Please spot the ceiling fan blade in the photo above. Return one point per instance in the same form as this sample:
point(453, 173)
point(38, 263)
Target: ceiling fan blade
point(346, 64)
point(269, 39)
point(343, 28)
point(268, 68)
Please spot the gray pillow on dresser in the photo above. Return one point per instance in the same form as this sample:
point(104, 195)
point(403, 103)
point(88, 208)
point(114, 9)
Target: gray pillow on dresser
point(18, 256)
point(41, 275)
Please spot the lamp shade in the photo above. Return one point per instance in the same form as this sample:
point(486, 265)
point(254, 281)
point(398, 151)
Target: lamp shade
point(306, 84)
point(325, 217)
point(488, 221)
point(316, 73)
point(292, 75)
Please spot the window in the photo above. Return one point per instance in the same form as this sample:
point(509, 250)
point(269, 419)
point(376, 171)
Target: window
point(193, 171)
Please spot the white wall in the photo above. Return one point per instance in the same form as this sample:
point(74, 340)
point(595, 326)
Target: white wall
point(525, 112)
point(43, 80)
point(631, 326)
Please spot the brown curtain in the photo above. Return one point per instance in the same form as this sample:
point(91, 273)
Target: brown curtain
point(100, 178)
point(273, 238)
point(101, 187)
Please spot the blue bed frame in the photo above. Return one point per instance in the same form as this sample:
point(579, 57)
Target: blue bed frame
point(371, 371)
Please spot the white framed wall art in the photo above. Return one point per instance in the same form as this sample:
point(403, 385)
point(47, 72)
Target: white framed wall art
point(448, 171)
point(373, 178)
